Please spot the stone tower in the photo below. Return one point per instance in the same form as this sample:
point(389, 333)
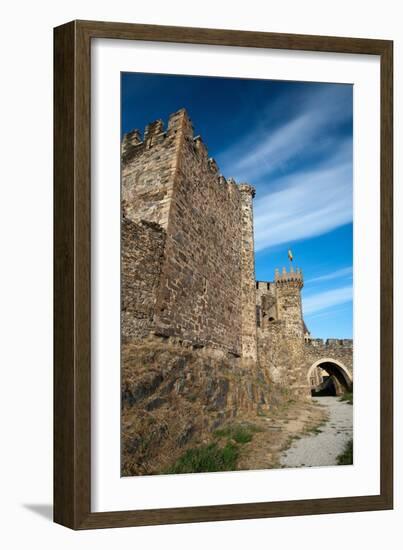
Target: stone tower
point(198, 284)
point(280, 330)
point(289, 305)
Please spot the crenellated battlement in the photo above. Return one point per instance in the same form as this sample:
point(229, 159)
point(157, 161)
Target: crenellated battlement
point(264, 285)
point(330, 343)
point(179, 129)
point(289, 277)
point(134, 143)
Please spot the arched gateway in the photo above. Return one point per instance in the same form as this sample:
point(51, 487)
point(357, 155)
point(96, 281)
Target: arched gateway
point(329, 376)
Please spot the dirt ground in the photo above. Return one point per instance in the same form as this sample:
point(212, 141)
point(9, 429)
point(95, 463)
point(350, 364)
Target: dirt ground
point(278, 431)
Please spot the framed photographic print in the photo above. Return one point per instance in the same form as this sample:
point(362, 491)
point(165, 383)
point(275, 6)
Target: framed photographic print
point(223, 275)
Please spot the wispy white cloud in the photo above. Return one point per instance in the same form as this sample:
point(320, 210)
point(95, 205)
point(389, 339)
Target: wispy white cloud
point(337, 274)
point(296, 200)
point(329, 298)
point(307, 204)
point(306, 128)
point(274, 150)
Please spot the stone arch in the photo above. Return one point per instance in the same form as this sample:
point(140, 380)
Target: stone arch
point(334, 368)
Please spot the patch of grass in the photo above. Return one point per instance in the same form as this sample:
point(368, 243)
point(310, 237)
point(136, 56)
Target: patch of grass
point(208, 458)
point(346, 457)
point(348, 397)
point(313, 430)
point(240, 433)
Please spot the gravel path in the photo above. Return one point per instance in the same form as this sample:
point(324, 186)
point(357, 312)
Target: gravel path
point(323, 448)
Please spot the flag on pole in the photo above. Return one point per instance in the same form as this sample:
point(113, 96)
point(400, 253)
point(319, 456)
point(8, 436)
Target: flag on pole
point(290, 256)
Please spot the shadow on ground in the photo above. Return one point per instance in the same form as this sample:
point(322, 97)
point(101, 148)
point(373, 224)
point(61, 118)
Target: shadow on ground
point(44, 510)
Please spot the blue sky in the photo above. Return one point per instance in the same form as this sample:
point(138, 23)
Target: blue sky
point(293, 142)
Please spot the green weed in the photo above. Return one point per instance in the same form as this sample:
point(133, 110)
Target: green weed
point(208, 458)
point(348, 397)
point(238, 432)
point(346, 457)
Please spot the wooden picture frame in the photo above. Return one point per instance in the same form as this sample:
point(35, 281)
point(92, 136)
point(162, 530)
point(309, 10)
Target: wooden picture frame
point(72, 268)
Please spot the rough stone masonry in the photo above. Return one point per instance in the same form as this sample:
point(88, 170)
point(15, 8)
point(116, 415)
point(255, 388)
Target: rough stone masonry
point(188, 273)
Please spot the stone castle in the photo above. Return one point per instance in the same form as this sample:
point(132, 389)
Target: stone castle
point(203, 342)
point(188, 272)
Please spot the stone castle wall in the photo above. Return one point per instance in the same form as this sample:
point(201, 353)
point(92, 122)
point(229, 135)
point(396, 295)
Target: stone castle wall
point(142, 256)
point(199, 297)
point(266, 303)
point(284, 356)
point(169, 179)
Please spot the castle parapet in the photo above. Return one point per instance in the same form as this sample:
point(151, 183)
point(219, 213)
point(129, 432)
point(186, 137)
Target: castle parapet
point(264, 285)
point(330, 343)
point(315, 342)
point(179, 127)
point(133, 144)
point(287, 277)
point(339, 342)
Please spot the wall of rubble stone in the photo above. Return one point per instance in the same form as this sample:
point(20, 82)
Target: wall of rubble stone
point(284, 358)
point(141, 262)
point(199, 299)
point(266, 303)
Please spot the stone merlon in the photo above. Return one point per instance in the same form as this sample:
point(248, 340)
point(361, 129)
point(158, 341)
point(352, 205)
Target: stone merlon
point(246, 188)
point(289, 276)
